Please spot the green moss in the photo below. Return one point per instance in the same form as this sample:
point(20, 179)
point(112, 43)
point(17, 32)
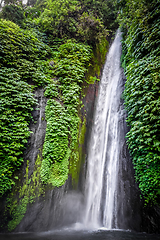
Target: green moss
point(18, 213)
point(76, 158)
point(97, 61)
point(82, 132)
point(28, 192)
point(59, 171)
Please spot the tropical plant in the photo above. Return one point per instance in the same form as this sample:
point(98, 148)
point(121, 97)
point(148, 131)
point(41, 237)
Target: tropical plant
point(140, 59)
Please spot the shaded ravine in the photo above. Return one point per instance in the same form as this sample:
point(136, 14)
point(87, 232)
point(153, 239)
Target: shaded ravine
point(84, 207)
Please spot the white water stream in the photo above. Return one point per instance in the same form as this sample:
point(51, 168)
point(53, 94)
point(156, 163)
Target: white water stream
point(103, 156)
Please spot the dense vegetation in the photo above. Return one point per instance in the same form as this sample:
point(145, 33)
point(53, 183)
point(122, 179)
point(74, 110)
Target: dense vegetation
point(25, 54)
point(51, 45)
point(61, 141)
point(21, 61)
point(141, 61)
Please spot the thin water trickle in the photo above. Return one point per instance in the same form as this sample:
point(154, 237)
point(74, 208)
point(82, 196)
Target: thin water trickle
point(38, 129)
point(102, 172)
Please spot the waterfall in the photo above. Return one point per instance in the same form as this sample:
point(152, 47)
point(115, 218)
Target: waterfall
point(107, 195)
point(103, 157)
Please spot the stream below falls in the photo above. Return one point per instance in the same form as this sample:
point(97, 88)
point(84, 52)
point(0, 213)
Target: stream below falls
point(70, 234)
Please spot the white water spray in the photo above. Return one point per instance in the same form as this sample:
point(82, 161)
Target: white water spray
point(102, 169)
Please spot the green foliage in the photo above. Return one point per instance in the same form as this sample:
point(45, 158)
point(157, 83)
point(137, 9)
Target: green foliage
point(71, 19)
point(104, 10)
point(23, 56)
point(65, 18)
point(32, 12)
point(97, 61)
point(27, 193)
point(16, 101)
point(133, 12)
point(72, 62)
point(21, 49)
point(62, 133)
point(58, 17)
point(90, 29)
point(56, 141)
point(13, 13)
point(22, 61)
point(141, 47)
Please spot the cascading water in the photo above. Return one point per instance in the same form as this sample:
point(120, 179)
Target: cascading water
point(103, 156)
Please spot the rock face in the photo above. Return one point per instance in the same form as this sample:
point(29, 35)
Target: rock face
point(38, 129)
point(128, 191)
point(151, 219)
point(141, 218)
point(89, 102)
point(33, 149)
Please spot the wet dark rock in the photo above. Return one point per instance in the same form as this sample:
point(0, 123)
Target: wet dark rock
point(151, 219)
point(89, 102)
point(128, 191)
point(89, 106)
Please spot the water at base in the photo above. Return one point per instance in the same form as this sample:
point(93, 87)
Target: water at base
point(68, 234)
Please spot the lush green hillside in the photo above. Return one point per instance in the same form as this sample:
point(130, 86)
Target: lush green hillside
point(25, 55)
point(23, 59)
point(50, 45)
point(140, 21)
